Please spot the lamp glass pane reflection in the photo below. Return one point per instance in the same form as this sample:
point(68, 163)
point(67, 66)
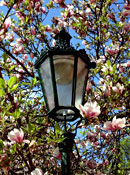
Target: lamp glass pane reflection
point(47, 86)
point(64, 68)
point(82, 72)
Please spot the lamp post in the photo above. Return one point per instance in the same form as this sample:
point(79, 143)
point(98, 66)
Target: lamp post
point(63, 73)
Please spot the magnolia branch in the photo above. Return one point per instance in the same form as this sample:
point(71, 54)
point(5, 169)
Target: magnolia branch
point(20, 153)
point(11, 55)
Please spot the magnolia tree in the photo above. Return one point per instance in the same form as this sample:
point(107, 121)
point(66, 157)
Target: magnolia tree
point(28, 144)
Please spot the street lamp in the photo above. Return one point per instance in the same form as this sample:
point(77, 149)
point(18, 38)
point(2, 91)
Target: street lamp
point(63, 73)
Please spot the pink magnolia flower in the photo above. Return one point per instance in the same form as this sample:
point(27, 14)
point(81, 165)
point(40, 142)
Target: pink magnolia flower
point(15, 28)
point(90, 110)
point(20, 16)
point(92, 137)
point(25, 56)
point(37, 171)
point(126, 26)
point(17, 47)
point(10, 36)
point(92, 1)
point(33, 31)
point(37, 7)
point(101, 60)
point(103, 135)
point(112, 1)
point(128, 64)
point(48, 28)
point(127, 6)
point(57, 153)
point(69, 10)
point(20, 49)
point(97, 96)
point(19, 40)
point(106, 68)
point(42, 9)
point(59, 1)
point(89, 86)
point(111, 16)
point(97, 128)
point(106, 90)
point(2, 35)
point(84, 42)
point(101, 81)
point(126, 12)
point(88, 11)
point(122, 69)
point(112, 51)
point(31, 55)
point(84, 144)
point(16, 135)
point(118, 88)
point(91, 164)
point(7, 23)
point(115, 124)
point(106, 162)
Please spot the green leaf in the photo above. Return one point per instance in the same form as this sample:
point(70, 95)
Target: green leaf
point(1, 144)
point(31, 127)
point(2, 83)
point(5, 56)
point(35, 80)
point(15, 87)
point(12, 81)
point(51, 135)
point(2, 92)
point(57, 127)
point(95, 71)
point(31, 81)
point(13, 149)
point(114, 68)
point(55, 139)
point(24, 83)
point(49, 5)
point(12, 67)
point(8, 107)
point(17, 113)
point(27, 1)
point(80, 132)
point(108, 63)
point(26, 19)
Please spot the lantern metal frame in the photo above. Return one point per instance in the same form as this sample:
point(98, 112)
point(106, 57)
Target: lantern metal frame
point(63, 47)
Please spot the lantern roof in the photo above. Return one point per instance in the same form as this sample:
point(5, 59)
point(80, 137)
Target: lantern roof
point(63, 47)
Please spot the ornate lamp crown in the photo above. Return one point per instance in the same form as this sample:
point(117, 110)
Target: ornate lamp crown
point(63, 40)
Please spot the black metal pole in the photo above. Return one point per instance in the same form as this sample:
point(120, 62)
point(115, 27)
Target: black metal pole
point(65, 148)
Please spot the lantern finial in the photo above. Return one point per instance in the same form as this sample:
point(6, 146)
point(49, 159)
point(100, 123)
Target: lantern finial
point(63, 39)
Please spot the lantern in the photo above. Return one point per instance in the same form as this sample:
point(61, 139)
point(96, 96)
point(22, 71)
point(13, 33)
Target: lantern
point(63, 73)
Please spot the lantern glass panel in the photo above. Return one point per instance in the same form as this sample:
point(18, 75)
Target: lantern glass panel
point(45, 72)
point(64, 68)
point(81, 81)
